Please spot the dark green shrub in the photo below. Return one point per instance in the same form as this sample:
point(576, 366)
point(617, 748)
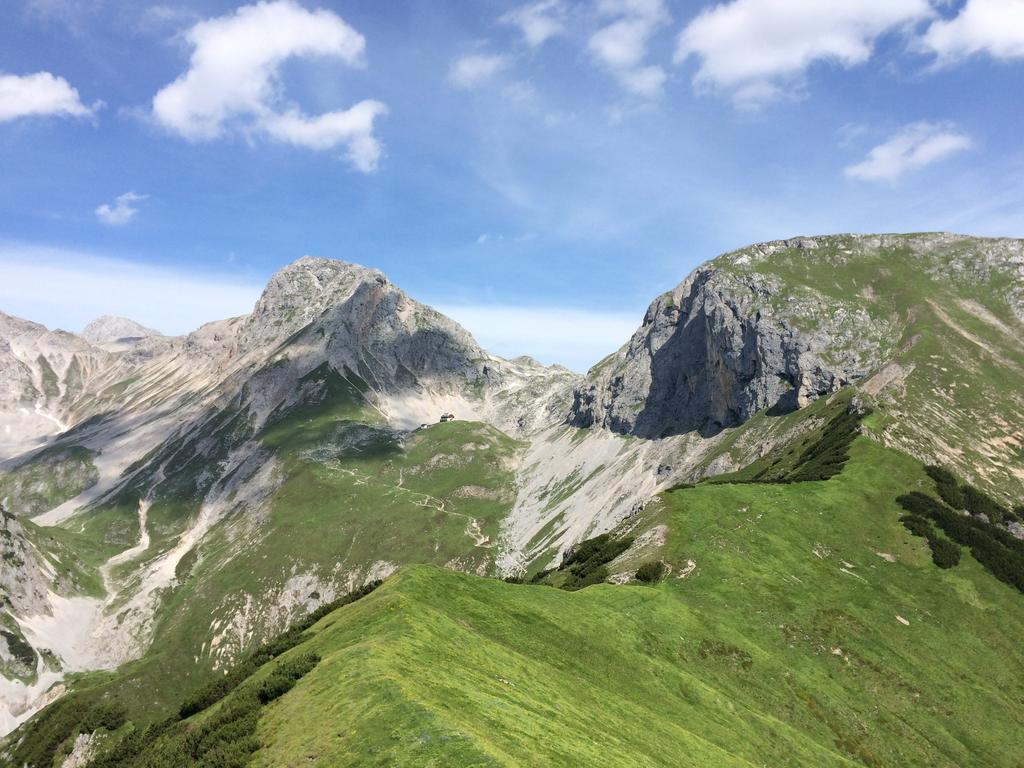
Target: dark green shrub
point(945, 553)
point(540, 575)
point(917, 525)
point(586, 562)
point(998, 551)
point(284, 677)
point(215, 690)
point(651, 572)
point(980, 503)
point(948, 486)
point(827, 456)
point(575, 581)
point(20, 649)
point(595, 552)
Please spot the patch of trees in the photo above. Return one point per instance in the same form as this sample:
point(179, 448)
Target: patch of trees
point(997, 550)
point(225, 739)
point(66, 718)
point(651, 572)
point(586, 563)
point(823, 457)
point(945, 553)
point(827, 456)
point(22, 652)
point(965, 496)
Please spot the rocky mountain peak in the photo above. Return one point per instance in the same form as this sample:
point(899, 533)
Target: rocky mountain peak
point(308, 286)
point(110, 328)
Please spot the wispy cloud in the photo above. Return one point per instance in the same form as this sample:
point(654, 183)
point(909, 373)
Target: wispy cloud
point(122, 211)
point(38, 95)
point(759, 50)
point(574, 338)
point(476, 69)
point(994, 27)
point(233, 82)
point(67, 289)
point(621, 44)
point(538, 22)
point(911, 148)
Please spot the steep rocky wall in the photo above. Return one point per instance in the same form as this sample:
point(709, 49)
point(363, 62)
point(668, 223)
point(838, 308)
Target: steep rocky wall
point(708, 356)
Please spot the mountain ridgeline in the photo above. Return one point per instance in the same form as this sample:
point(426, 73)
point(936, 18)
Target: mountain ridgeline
point(728, 487)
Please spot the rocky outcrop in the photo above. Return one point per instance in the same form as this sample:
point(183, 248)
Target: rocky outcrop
point(24, 576)
point(709, 355)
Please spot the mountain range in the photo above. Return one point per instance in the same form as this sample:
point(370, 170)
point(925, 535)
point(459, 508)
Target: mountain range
point(734, 488)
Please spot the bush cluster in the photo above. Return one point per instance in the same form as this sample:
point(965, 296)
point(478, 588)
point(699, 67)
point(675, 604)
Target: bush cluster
point(827, 456)
point(66, 718)
point(948, 486)
point(945, 553)
point(651, 572)
point(998, 551)
point(587, 562)
point(285, 676)
point(964, 496)
point(822, 458)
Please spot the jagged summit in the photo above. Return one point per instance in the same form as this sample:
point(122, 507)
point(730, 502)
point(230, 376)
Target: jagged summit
point(306, 287)
point(111, 328)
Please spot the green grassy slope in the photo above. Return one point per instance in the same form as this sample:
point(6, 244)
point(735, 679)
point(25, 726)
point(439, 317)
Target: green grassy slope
point(783, 647)
point(813, 631)
point(352, 501)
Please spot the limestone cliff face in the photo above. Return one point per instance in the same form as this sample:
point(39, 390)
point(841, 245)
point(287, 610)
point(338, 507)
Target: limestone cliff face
point(717, 349)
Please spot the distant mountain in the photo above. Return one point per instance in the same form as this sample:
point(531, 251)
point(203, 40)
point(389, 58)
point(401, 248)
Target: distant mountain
point(109, 328)
point(173, 501)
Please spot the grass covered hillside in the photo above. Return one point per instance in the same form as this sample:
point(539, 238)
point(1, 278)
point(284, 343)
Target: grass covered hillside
point(797, 624)
point(347, 501)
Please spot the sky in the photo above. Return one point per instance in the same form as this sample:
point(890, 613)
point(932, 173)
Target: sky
point(540, 171)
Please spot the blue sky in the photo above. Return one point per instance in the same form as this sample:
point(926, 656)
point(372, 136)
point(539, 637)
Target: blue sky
point(539, 170)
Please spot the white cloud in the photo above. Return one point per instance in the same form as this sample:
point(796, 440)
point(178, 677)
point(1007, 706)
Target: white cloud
point(39, 94)
point(759, 49)
point(621, 44)
point(538, 22)
point(520, 92)
point(995, 27)
point(233, 83)
point(475, 69)
point(913, 147)
point(67, 289)
point(122, 211)
point(574, 338)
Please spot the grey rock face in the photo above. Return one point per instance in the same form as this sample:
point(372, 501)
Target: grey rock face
point(23, 577)
point(1016, 529)
point(708, 356)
